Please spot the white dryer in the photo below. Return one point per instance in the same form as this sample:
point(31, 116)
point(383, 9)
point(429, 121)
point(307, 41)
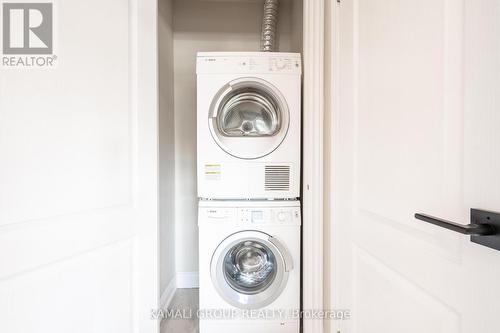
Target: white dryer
point(249, 115)
point(249, 254)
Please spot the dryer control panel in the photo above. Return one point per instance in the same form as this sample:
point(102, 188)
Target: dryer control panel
point(252, 63)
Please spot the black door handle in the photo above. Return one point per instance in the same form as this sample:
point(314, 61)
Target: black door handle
point(466, 229)
point(484, 228)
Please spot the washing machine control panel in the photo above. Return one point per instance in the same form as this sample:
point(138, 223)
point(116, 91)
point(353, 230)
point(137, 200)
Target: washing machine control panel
point(248, 216)
point(268, 216)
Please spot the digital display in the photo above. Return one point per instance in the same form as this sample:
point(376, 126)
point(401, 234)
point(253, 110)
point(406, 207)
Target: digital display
point(257, 215)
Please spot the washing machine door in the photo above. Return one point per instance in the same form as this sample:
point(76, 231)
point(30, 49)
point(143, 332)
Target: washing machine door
point(250, 269)
point(249, 118)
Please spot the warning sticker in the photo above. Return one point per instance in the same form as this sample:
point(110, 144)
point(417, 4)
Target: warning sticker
point(212, 171)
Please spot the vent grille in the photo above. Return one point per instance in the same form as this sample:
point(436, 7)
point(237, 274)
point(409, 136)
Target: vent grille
point(277, 178)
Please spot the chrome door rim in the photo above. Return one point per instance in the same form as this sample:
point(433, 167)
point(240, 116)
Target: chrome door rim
point(232, 296)
point(232, 145)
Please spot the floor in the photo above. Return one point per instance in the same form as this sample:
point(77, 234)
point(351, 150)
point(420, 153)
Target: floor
point(186, 302)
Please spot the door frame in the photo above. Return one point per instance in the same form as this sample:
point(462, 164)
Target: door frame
point(313, 158)
point(144, 89)
point(332, 148)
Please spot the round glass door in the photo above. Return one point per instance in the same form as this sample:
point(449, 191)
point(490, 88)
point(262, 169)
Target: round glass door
point(249, 270)
point(249, 112)
point(249, 267)
point(249, 118)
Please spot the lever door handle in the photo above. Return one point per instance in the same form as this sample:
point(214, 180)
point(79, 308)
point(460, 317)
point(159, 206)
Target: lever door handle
point(466, 229)
point(484, 228)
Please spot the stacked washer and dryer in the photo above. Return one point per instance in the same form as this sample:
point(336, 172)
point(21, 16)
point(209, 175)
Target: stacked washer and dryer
point(249, 218)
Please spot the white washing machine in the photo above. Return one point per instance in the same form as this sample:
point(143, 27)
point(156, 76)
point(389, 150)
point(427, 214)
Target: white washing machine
point(249, 115)
point(249, 266)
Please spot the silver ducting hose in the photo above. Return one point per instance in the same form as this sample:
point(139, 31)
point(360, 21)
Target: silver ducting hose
point(269, 26)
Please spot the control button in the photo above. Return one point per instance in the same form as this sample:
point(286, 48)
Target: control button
point(244, 216)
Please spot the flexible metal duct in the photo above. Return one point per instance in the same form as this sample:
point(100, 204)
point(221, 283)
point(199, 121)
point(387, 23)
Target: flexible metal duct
point(269, 26)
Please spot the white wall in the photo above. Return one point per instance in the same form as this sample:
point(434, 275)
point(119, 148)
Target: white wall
point(210, 26)
point(167, 146)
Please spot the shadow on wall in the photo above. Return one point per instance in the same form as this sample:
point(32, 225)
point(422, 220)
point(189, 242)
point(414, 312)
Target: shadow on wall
point(166, 143)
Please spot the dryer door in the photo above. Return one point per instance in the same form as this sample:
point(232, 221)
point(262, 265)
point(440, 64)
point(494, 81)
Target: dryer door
point(249, 118)
point(249, 269)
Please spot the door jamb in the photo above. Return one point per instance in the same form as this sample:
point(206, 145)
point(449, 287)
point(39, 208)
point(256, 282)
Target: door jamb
point(312, 181)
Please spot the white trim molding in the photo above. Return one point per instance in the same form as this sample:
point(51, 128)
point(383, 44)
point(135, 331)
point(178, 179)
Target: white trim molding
point(332, 161)
point(188, 280)
point(144, 112)
point(181, 280)
point(312, 235)
point(168, 294)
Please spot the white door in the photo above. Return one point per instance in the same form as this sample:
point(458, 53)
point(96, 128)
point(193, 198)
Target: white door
point(78, 173)
point(415, 130)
